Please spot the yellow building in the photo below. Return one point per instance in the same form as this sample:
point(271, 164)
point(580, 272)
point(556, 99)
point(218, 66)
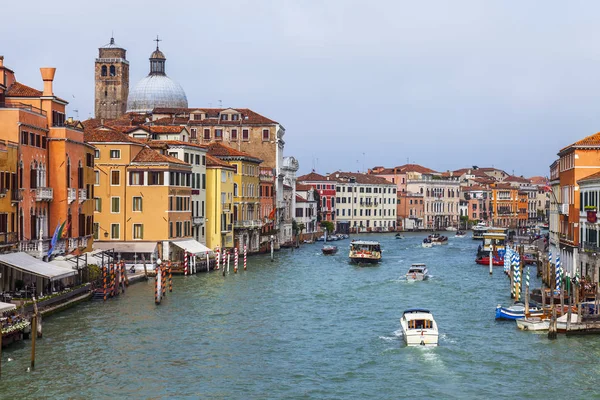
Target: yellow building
point(219, 198)
point(505, 205)
point(246, 195)
point(142, 199)
point(8, 195)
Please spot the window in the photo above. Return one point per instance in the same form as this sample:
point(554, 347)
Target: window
point(235, 117)
point(186, 157)
point(137, 204)
point(115, 231)
point(136, 178)
point(98, 204)
point(207, 134)
point(96, 177)
point(24, 138)
point(265, 135)
point(97, 153)
point(115, 177)
point(245, 135)
point(218, 134)
point(224, 117)
point(193, 133)
point(115, 204)
point(155, 178)
point(95, 230)
point(234, 135)
point(113, 70)
point(138, 231)
point(115, 154)
point(104, 70)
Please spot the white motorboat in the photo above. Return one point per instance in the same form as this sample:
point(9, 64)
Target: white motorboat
point(460, 234)
point(533, 324)
point(427, 243)
point(451, 229)
point(417, 272)
point(419, 328)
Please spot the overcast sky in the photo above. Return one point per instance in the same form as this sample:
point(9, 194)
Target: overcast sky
point(446, 84)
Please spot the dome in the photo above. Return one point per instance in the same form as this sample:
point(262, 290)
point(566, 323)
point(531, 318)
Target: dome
point(157, 54)
point(156, 91)
point(112, 45)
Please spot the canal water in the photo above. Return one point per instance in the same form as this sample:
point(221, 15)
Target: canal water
point(306, 326)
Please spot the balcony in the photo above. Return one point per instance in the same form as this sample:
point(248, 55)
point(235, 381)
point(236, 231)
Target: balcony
point(3, 192)
point(248, 224)
point(17, 195)
point(44, 194)
point(227, 228)
point(226, 207)
point(82, 195)
point(197, 220)
point(71, 195)
point(563, 209)
point(590, 247)
point(8, 238)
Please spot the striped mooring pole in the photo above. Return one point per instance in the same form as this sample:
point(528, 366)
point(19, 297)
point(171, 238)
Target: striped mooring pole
point(185, 263)
point(235, 260)
point(245, 254)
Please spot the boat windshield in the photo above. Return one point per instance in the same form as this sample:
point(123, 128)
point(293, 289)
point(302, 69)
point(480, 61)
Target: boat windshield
point(420, 324)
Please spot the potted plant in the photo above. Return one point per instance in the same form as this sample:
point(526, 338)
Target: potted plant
point(591, 214)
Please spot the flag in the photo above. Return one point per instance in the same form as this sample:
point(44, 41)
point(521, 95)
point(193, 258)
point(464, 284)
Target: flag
point(64, 229)
point(272, 214)
point(54, 239)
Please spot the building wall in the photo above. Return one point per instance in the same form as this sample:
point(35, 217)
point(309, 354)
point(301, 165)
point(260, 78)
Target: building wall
point(367, 207)
point(219, 186)
point(8, 207)
point(111, 92)
point(441, 200)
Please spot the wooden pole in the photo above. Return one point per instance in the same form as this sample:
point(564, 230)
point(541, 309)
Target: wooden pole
point(0, 351)
point(552, 328)
point(33, 337)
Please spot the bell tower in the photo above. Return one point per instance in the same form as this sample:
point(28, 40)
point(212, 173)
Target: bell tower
point(112, 81)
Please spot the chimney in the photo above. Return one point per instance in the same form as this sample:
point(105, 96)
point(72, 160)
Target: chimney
point(1, 61)
point(48, 77)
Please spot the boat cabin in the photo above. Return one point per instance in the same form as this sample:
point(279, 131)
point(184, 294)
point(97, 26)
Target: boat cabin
point(365, 246)
point(493, 241)
point(417, 268)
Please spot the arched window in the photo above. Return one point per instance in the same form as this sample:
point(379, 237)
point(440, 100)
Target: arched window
point(421, 190)
point(104, 70)
point(113, 70)
point(33, 175)
point(68, 173)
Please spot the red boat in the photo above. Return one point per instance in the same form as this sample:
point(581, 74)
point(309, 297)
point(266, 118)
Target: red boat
point(496, 261)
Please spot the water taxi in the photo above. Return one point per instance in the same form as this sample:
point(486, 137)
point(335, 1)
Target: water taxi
point(419, 327)
point(479, 230)
point(417, 272)
point(365, 251)
point(328, 250)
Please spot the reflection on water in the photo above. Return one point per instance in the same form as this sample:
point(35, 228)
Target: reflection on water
point(304, 326)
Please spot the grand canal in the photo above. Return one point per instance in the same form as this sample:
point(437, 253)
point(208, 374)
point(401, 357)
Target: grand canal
point(305, 326)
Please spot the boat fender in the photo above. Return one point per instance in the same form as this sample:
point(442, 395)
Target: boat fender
point(422, 343)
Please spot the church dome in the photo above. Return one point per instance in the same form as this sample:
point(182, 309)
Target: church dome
point(156, 89)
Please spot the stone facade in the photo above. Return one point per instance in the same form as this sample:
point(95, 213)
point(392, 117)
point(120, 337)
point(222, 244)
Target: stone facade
point(111, 74)
point(441, 198)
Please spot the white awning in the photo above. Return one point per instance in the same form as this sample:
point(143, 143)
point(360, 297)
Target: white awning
point(31, 265)
point(4, 307)
point(191, 246)
point(62, 263)
point(126, 247)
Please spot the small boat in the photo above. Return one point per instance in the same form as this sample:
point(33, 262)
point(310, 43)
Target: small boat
point(496, 261)
point(517, 311)
point(451, 229)
point(321, 239)
point(419, 327)
point(437, 239)
point(427, 243)
point(365, 251)
point(533, 324)
point(460, 234)
point(529, 259)
point(398, 236)
point(417, 272)
point(328, 250)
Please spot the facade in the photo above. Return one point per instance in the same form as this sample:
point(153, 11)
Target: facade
point(47, 142)
point(441, 200)
point(400, 175)
point(589, 200)
point(554, 210)
point(287, 206)
point(409, 211)
point(8, 206)
point(306, 210)
point(246, 195)
point(326, 194)
point(479, 203)
point(219, 203)
point(505, 207)
point(267, 203)
point(112, 81)
point(364, 202)
point(142, 198)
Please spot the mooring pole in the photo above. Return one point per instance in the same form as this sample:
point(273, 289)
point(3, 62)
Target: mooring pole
point(33, 337)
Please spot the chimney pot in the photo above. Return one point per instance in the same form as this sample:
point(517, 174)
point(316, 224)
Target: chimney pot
point(48, 78)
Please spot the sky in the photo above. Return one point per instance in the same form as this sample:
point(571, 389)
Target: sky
point(356, 84)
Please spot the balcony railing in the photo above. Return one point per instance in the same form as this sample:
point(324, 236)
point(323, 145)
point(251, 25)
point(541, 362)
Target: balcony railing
point(44, 194)
point(71, 195)
point(590, 247)
point(251, 223)
point(82, 195)
point(226, 206)
point(197, 220)
point(38, 248)
point(23, 107)
point(227, 228)
point(17, 195)
point(8, 238)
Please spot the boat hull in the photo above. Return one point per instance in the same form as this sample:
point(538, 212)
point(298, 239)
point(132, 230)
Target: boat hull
point(425, 337)
point(416, 277)
point(426, 245)
point(533, 324)
point(507, 313)
point(364, 260)
point(486, 261)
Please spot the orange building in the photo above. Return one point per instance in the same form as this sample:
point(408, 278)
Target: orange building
point(522, 208)
point(505, 205)
point(55, 166)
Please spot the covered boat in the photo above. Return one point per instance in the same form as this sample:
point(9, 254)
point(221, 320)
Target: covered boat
point(419, 327)
point(517, 311)
point(365, 251)
point(479, 230)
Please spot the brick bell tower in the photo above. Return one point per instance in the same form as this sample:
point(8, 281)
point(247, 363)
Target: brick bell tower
point(111, 81)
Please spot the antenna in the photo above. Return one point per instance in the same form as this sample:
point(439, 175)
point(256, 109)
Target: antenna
point(363, 170)
point(220, 104)
point(76, 113)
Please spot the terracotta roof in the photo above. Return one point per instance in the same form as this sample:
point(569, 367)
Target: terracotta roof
point(300, 199)
point(303, 188)
point(220, 150)
point(513, 178)
point(148, 155)
point(367, 179)
point(215, 162)
point(103, 134)
point(502, 186)
point(538, 180)
point(591, 177)
point(312, 177)
point(415, 168)
point(171, 121)
point(588, 141)
point(156, 129)
point(17, 89)
point(474, 188)
point(248, 117)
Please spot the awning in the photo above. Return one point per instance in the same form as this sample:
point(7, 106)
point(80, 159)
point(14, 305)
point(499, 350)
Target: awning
point(4, 307)
point(126, 247)
point(191, 246)
point(62, 263)
point(31, 265)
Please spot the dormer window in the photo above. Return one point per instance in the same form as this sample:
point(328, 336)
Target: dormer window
point(235, 117)
point(197, 117)
point(224, 117)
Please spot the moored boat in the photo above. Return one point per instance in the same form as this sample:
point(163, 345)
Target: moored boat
point(496, 261)
point(398, 236)
point(417, 272)
point(533, 324)
point(517, 311)
point(328, 250)
point(365, 251)
point(419, 328)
